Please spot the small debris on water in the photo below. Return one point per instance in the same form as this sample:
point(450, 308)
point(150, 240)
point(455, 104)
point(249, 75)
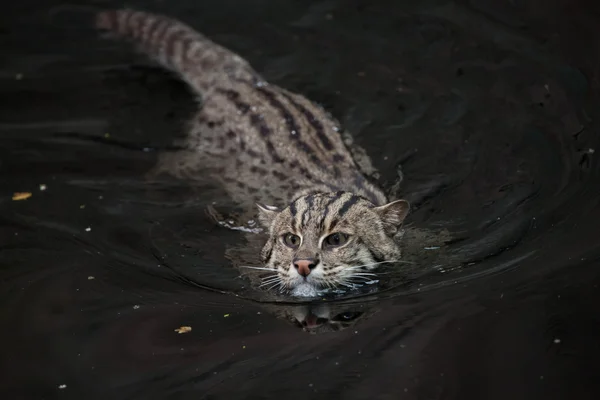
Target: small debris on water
point(63, 386)
point(183, 329)
point(21, 196)
point(226, 315)
point(82, 206)
point(432, 248)
point(91, 278)
point(107, 135)
point(19, 77)
point(43, 187)
point(88, 229)
point(557, 341)
point(591, 151)
point(136, 307)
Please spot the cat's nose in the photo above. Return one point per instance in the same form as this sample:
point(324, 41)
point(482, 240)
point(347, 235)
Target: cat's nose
point(304, 266)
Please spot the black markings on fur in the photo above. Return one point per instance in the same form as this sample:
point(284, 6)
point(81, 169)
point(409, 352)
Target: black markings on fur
point(293, 209)
point(361, 183)
point(268, 255)
point(306, 174)
point(151, 26)
point(290, 121)
point(310, 199)
point(347, 205)
point(291, 124)
point(375, 256)
point(213, 124)
point(253, 154)
point(333, 199)
point(259, 124)
point(333, 224)
point(294, 212)
point(313, 121)
point(256, 121)
point(174, 36)
point(338, 158)
point(258, 170)
point(157, 36)
point(279, 175)
point(234, 97)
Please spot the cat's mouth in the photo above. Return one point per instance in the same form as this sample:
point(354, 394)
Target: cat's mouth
point(307, 287)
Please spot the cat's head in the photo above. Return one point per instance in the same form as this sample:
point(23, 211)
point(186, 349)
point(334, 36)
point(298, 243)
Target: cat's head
point(326, 240)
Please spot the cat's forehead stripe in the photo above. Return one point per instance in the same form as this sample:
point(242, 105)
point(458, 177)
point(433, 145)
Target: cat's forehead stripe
point(310, 199)
point(333, 199)
point(348, 205)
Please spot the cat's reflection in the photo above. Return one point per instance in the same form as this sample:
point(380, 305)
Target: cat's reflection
point(324, 317)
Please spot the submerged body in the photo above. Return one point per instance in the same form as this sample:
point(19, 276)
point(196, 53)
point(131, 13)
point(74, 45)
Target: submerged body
point(327, 223)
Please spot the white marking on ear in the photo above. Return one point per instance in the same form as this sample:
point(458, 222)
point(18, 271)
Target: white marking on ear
point(392, 215)
point(266, 214)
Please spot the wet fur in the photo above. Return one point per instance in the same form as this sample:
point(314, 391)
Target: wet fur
point(265, 144)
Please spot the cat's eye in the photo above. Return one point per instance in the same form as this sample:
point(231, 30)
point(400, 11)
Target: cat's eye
point(291, 240)
point(335, 240)
point(347, 316)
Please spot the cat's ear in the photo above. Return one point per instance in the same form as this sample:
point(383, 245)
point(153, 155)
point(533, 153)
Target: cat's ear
point(392, 215)
point(266, 214)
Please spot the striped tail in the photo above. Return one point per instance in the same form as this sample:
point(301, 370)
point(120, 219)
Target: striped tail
point(199, 61)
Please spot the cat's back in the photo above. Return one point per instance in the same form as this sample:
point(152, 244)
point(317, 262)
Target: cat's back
point(247, 132)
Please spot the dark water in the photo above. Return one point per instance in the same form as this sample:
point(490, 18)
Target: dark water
point(491, 107)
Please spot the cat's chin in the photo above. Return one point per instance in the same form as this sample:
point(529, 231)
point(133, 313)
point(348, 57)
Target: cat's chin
point(305, 290)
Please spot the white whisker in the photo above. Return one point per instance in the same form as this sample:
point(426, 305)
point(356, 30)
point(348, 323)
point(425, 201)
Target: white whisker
point(343, 282)
point(274, 285)
point(272, 280)
point(366, 278)
point(259, 268)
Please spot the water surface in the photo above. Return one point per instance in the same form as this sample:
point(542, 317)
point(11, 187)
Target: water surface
point(491, 109)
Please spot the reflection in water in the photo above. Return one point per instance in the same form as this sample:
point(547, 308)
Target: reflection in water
point(325, 317)
point(489, 108)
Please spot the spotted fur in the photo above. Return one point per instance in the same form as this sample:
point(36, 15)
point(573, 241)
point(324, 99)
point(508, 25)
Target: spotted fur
point(264, 143)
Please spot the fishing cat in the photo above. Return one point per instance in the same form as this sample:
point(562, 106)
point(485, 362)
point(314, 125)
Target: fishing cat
point(328, 225)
